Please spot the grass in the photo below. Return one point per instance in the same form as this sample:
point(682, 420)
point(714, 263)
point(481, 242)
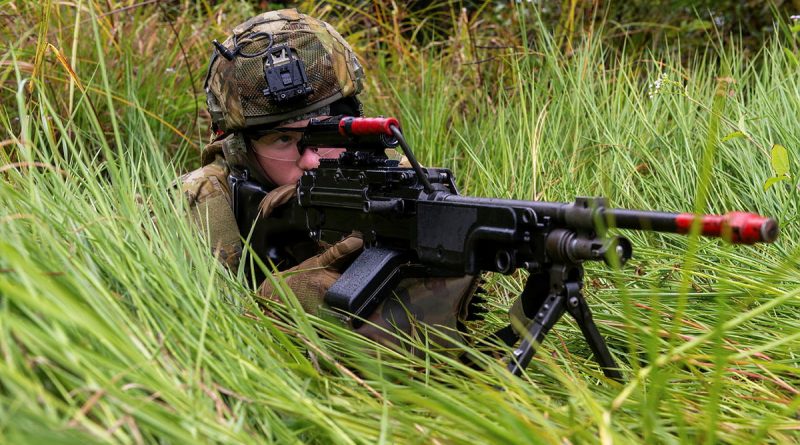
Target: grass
point(116, 325)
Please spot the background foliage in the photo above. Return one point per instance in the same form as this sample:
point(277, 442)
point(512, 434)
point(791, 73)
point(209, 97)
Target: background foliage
point(117, 326)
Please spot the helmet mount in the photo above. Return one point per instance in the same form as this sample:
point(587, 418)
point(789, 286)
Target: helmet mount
point(285, 75)
point(284, 72)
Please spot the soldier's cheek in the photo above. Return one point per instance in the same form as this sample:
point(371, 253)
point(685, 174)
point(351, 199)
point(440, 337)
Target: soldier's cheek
point(281, 172)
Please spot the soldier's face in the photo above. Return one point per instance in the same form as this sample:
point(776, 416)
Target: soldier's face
point(277, 154)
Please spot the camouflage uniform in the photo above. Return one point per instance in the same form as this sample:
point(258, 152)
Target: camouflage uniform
point(238, 100)
point(209, 197)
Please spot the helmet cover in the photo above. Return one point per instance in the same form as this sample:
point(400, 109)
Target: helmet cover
point(274, 54)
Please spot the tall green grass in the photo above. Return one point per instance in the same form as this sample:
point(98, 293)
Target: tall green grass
point(116, 325)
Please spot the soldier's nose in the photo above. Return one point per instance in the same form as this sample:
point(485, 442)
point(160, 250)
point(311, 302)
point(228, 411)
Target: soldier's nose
point(308, 160)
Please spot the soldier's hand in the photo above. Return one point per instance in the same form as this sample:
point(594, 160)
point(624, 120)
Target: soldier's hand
point(276, 198)
point(312, 278)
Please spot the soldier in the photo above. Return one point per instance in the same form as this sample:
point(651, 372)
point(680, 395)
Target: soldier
point(275, 72)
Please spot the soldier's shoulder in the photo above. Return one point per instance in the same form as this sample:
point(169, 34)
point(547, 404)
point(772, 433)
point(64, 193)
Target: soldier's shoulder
point(217, 168)
point(208, 180)
point(209, 197)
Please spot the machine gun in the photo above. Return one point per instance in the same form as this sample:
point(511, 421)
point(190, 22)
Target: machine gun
point(414, 223)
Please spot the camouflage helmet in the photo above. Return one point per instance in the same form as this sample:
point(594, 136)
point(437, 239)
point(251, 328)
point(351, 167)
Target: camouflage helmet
point(277, 66)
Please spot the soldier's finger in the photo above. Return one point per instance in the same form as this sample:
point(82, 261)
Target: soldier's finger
point(342, 253)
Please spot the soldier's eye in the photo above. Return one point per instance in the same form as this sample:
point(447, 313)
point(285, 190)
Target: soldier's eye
point(285, 139)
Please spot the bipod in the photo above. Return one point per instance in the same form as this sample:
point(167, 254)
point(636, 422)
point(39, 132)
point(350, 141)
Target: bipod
point(562, 284)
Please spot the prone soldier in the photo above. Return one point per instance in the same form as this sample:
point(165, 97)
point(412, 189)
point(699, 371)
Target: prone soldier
point(275, 72)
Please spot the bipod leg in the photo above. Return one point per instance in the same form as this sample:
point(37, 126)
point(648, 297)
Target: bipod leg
point(579, 309)
point(549, 313)
point(530, 300)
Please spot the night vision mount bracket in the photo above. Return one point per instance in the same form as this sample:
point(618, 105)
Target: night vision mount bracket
point(285, 75)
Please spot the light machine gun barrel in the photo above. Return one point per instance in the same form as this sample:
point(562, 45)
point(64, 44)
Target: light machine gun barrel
point(414, 223)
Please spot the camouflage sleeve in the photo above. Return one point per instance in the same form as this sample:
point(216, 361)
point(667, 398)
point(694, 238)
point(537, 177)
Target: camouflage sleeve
point(209, 197)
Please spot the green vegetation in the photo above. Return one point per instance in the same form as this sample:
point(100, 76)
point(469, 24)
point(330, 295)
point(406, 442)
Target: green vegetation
point(116, 325)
